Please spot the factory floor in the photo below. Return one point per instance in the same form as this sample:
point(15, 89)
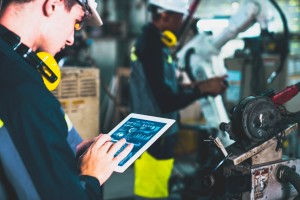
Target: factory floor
point(120, 185)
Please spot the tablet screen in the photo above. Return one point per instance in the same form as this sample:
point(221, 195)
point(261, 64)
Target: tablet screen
point(141, 131)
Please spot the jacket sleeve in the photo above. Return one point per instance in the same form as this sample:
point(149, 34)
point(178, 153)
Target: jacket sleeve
point(38, 129)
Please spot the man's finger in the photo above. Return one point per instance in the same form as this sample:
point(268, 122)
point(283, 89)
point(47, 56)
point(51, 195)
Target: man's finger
point(124, 153)
point(100, 140)
point(106, 146)
point(117, 146)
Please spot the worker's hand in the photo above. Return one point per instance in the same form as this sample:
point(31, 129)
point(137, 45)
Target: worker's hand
point(213, 86)
point(99, 160)
point(84, 145)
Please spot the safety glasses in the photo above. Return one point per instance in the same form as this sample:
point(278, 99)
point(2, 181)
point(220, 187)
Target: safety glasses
point(87, 13)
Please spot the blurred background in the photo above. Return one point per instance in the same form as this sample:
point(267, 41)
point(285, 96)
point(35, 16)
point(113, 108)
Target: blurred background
point(100, 60)
point(108, 47)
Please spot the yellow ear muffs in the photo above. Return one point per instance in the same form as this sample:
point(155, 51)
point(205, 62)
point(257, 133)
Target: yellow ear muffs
point(169, 38)
point(43, 62)
point(52, 67)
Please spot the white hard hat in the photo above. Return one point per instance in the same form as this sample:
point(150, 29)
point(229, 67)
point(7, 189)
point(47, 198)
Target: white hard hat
point(180, 6)
point(91, 7)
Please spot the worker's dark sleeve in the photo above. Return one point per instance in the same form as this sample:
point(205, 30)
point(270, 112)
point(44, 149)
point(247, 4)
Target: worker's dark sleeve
point(167, 99)
point(38, 130)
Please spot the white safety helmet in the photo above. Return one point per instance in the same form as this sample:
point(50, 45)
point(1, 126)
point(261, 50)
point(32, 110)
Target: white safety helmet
point(179, 6)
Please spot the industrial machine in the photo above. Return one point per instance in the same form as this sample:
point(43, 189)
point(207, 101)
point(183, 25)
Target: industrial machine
point(200, 56)
point(253, 167)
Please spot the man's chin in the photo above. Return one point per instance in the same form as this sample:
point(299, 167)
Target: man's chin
point(53, 53)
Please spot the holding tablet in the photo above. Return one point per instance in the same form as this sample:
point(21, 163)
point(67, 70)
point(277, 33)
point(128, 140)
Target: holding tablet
point(141, 131)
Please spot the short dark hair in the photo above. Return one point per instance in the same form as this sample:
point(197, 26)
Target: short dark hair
point(68, 3)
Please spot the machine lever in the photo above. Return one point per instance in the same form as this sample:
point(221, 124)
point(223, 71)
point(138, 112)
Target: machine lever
point(286, 94)
point(219, 144)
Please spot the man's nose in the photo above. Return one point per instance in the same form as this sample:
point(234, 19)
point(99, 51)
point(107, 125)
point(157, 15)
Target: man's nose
point(70, 40)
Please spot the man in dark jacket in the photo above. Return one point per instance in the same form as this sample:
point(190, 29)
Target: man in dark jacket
point(37, 147)
point(155, 91)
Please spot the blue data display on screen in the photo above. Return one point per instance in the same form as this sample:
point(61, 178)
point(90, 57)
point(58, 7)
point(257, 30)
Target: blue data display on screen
point(137, 132)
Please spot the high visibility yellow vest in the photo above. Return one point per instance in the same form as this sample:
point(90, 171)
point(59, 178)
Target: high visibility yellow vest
point(152, 176)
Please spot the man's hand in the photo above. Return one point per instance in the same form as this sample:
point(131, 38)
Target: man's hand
point(84, 145)
point(213, 86)
point(99, 160)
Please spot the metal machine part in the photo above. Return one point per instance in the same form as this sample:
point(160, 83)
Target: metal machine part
point(255, 165)
point(287, 174)
point(263, 181)
point(203, 61)
point(254, 119)
point(255, 174)
point(265, 152)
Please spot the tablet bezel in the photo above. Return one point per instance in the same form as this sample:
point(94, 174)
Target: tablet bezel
point(168, 124)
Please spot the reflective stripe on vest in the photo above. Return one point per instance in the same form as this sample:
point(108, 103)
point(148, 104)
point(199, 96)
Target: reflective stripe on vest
point(69, 123)
point(170, 59)
point(1, 123)
point(133, 56)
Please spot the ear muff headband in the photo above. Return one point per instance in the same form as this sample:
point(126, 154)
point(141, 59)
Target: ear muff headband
point(169, 38)
point(50, 70)
point(43, 62)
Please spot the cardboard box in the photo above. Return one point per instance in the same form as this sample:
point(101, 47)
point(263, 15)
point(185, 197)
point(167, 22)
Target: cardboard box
point(78, 93)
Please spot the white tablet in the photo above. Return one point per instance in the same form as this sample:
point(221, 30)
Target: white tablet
point(140, 130)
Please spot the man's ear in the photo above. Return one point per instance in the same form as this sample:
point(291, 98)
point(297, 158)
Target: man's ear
point(51, 5)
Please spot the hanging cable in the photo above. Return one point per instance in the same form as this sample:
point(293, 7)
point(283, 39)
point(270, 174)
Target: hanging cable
point(285, 47)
